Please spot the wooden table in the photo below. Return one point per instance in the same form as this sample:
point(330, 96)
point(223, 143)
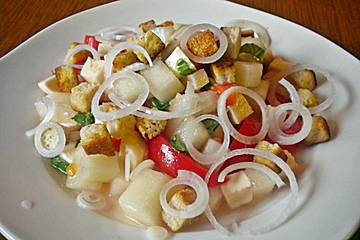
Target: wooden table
point(337, 20)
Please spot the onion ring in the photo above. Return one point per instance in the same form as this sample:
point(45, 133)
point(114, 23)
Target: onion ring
point(294, 97)
point(91, 201)
point(201, 27)
point(77, 49)
point(148, 163)
point(222, 113)
point(121, 33)
point(193, 180)
point(52, 152)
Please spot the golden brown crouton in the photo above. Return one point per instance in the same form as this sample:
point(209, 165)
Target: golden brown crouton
point(307, 98)
point(278, 64)
point(223, 72)
point(320, 131)
point(290, 160)
point(81, 96)
point(203, 44)
point(79, 57)
point(147, 26)
point(95, 139)
point(66, 77)
point(152, 44)
point(150, 128)
point(273, 148)
point(179, 201)
point(167, 23)
point(123, 59)
point(303, 79)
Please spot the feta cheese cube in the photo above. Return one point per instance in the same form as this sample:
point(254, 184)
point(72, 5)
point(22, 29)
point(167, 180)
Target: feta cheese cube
point(93, 71)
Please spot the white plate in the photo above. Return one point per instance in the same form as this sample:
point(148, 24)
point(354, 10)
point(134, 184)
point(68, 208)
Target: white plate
point(331, 210)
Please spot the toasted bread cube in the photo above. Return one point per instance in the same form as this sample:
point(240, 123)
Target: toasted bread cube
point(93, 71)
point(174, 58)
point(147, 26)
point(66, 78)
point(179, 201)
point(320, 131)
point(81, 96)
point(203, 44)
point(262, 89)
point(240, 110)
point(223, 72)
point(238, 190)
point(167, 23)
point(95, 139)
point(307, 98)
point(151, 43)
point(79, 57)
point(290, 160)
point(273, 148)
point(123, 59)
point(150, 128)
point(233, 35)
point(198, 79)
point(278, 64)
point(303, 79)
point(141, 200)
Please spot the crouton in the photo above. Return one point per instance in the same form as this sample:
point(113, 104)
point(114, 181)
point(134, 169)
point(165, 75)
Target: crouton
point(303, 79)
point(95, 139)
point(307, 98)
point(273, 148)
point(203, 44)
point(123, 59)
point(240, 110)
point(147, 26)
point(167, 23)
point(223, 72)
point(198, 79)
point(66, 77)
point(290, 160)
point(247, 33)
point(81, 96)
point(320, 131)
point(278, 64)
point(93, 71)
point(150, 128)
point(151, 43)
point(233, 35)
point(179, 201)
point(79, 57)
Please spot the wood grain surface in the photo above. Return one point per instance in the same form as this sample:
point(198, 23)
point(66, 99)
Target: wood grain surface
point(337, 20)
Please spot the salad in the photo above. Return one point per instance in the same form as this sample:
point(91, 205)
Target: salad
point(168, 123)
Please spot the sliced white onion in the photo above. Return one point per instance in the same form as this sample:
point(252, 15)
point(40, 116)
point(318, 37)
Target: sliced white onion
point(193, 180)
point(117, 49)
point(271, 97)
point(260, 30)
point(180, 29)
point(121, 33)
point(219, 35)
point(61, 141)
point(135, 67)
point(129, 108)
point(127, 169)
point(294, 97)
point(148, 163)
point(91, 201)
point(275, 132)
point(164, 33)
point(156, 233)
point(200, 157)
point(77, 49)
point(251, 226)
point(50, 110)
point(222, 113)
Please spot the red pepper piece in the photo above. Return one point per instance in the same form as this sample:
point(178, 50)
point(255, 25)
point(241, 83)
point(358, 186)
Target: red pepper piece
point(116, 143)
point(222, 88)
point(91, 40)
point(169, 160)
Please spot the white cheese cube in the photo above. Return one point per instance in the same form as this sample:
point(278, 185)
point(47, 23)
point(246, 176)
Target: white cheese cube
point(211, 146)
point(173, 59)
point(238, 190)
point(248, 74)
point(198, 79)
point(262, 184)
point(93, 71)
point(141, 200)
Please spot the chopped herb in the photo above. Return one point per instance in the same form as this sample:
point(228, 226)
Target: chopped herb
point(211, 125)
point(84, 119)
point(59, 164)
point(77, 143)
point(160, 105)
point(254, 50)
point(178, 144)
point(184, 68)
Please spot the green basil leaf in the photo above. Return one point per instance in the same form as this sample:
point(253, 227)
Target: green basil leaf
point(254, 50)
point(59, 164)
point(178, 144)
point(160, 105)
point(84, 119)
point(184, 68)
point(211, 125)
